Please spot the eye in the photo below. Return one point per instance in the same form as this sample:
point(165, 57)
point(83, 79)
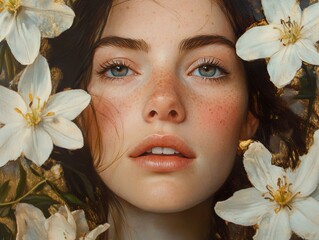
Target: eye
point(115, 69)
point(208, 69)
point(118, 71)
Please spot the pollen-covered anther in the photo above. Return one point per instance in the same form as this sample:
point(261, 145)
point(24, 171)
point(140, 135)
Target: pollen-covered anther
point(290, 32)
point(11, 6)
point(282, 195)
point(34, 115)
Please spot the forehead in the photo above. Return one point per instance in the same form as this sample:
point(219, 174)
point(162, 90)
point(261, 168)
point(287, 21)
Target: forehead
point(167, 18)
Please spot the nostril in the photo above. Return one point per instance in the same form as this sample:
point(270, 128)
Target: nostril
point(152, 113)
point(173, 113)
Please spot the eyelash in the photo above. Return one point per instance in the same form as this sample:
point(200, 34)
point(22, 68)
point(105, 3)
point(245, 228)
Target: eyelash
point(107, 66)
point(212, 62)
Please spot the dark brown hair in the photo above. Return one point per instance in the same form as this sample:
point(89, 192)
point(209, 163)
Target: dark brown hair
point(73, 51)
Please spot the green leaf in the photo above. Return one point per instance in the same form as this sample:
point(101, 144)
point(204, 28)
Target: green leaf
point(8, 65)
point(4, 189)
point(4, 211)
point(22, 181)
point(42, 202)
point(6, 233)
point(85, 182)
point(70, 198)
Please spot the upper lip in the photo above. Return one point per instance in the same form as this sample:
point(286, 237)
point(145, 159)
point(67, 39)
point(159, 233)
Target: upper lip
point(158, 140)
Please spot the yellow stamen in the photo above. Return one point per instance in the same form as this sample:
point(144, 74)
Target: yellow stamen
point(282, 195)
point(290, 32)
point(34, 116)
point(30, 97)
point(11, 6)
point(49, 114)
point(19, 111)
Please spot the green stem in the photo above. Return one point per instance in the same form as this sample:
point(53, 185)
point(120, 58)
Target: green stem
point(312, 85)
point(25, 195)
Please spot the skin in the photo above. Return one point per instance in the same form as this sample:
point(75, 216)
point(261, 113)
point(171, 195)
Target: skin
point(163, 93)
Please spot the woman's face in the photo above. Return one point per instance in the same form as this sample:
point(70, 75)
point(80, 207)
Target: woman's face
point(171, 102)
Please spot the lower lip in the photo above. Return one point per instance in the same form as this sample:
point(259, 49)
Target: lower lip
point(162, 163)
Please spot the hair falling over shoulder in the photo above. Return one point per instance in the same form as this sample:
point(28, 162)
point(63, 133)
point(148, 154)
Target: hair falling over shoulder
point(73, 51)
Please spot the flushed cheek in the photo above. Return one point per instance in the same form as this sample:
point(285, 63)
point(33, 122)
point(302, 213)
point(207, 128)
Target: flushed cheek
point(220, 122)
point(221, 114)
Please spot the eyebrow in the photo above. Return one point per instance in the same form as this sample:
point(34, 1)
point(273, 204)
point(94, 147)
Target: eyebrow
point(134, 44)
point(186, 44)
point(204, 40)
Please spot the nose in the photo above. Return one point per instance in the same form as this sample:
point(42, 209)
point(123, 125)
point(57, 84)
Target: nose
point(164, 104)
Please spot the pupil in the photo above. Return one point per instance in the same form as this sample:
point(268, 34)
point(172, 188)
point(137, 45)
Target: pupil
point(207, 70)
point(119, 71)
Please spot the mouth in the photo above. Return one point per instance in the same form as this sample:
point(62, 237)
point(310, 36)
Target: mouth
point(162, 153)
point(162, 145)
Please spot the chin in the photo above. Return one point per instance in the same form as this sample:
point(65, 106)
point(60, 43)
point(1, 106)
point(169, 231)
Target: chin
point(166, 199)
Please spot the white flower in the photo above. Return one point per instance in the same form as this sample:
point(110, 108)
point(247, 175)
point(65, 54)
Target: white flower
point(24, 22)
point(33, 121)
point(64, 224)
point(288, 40)
point(281, 201)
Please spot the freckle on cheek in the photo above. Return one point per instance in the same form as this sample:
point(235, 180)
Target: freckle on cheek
point(218, 115)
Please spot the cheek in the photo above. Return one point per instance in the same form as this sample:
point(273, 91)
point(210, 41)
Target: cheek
point(104, 129)
point(224, 114)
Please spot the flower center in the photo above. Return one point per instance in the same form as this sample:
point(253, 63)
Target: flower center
point(290, 33)
point(34, 116)
point(282, 195)
point(11, 6)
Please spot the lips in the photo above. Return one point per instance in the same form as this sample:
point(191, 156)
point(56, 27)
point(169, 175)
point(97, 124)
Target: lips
point(164, 145)
point(162, 153)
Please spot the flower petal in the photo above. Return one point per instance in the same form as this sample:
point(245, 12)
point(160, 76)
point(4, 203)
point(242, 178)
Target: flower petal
point(65, 212)
point(260, 171)
point(30, 222)
point(96, 232)
point(307, 52)
point(38, 146)
point(310, 22)
point(283, 65)
point(70, 218)
point(58, 227)
point(315, 194)
point(245, 207)
point(68, 104)
point(259, 42)
point(276, 10)
point(81, 223)
point(52, 17)
point(307, 177)
point(24, 40)
point(304, 218)
point(9, 101)
point(12, 138)
point(36, 80)
point(6, 21)
point(64, 133)
point(274, 226)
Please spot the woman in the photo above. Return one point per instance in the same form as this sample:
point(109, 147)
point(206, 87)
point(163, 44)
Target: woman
point(170, 102)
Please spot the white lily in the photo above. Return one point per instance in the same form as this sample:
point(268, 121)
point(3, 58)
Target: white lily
point(23, 22)
point(34, 121)
point(64, 224)
point(289, 39)
point(281, 202)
